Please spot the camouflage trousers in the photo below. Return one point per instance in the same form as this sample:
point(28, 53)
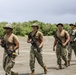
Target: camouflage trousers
point(35, 54)
point(70, 48)
point(61, 53)
point(8, 63)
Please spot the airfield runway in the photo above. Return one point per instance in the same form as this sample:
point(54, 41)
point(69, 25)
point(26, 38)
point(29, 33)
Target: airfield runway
point(49, 57)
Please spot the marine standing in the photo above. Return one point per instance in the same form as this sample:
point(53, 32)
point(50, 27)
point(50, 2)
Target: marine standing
point(36, 39)
point(72, 43)
point(61, 40)
point(10, 45)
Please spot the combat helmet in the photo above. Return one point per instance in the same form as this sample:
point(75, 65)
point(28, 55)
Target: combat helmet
point(59, 24)
point(35, 25)
point(8, 26)
point(72, 25)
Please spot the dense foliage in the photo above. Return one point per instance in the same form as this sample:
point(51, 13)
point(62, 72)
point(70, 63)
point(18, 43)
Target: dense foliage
point(24, 28)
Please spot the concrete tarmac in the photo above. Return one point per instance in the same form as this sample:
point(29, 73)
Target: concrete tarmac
point(49, 57)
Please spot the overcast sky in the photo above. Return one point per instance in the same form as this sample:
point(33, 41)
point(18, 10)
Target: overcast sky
point(48, 11)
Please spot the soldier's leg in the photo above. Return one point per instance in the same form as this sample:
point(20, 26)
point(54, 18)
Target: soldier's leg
point(32, 60)
point(5, 60)
point(64, 56)
point(39, 58)
point(74, 48)
point(69, 54)
point(10, 64)
point(5, 63)
point(58, 54)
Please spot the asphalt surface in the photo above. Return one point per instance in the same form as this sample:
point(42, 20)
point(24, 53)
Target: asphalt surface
point(49, 57)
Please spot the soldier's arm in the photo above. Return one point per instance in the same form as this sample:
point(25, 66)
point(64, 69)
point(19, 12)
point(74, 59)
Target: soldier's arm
point(42, 40)
point(0, 42)
point(16, 41)
point(28, 40)
point(67, 40)
point(75, 39)
point(75, 36)
point(55, 42)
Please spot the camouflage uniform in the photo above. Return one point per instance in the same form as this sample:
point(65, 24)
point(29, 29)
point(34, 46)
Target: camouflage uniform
point(72, 44)
point(9, 62)
point(60, 50)
point(34, 52)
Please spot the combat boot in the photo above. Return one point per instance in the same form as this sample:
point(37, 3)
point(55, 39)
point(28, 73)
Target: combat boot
point(5, 73)
point(45, 70)
point(59, 67)
point(66, 63)
point(14, 73)
point(32, 73)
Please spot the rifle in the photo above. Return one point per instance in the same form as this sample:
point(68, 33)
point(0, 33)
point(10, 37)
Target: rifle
point(72, 40)
point(72, 33)
point(58, 39)
point(33, 42)
point(4, 45)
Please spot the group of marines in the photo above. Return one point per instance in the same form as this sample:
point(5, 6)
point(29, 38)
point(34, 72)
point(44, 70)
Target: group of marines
point(63, 45)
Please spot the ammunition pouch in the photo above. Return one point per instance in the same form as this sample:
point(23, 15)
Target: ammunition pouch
point(14, 54)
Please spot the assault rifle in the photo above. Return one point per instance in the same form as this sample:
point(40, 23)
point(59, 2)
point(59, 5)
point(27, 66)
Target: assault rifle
point(33, 42)
point(4, 45)
point(72, 40)
point(58, 39)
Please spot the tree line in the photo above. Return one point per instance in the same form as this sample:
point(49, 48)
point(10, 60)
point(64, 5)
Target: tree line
point(24, 28)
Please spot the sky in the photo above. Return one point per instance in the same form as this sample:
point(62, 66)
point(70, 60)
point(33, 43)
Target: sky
point(47, 11)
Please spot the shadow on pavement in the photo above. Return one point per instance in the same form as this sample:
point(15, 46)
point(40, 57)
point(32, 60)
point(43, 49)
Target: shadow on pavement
point(40, 74)
point(29, 74)
point(56, 68)
point(24, 74)
point(52, 68)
